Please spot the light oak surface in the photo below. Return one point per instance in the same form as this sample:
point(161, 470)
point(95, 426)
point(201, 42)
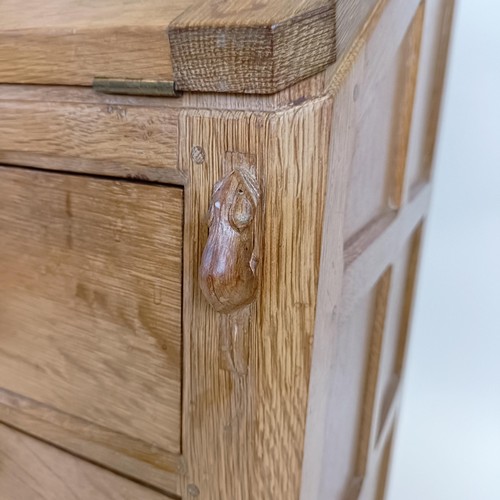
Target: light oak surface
point(352, 412)
point(251, 428)
point(242, 334)
point(32, 470)
point(69, 42)
point(251, 47)
point(91, 307)
point(95, 137)
point(234, 46)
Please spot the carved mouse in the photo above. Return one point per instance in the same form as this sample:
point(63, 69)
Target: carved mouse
point(227, 273)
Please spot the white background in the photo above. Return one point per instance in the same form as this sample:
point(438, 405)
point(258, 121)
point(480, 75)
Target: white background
point(448, 441)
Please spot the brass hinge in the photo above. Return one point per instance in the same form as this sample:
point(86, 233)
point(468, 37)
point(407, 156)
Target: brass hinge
point(130, 86)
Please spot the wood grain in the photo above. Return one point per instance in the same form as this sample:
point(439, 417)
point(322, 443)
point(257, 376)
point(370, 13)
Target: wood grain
point(32, 470)
point(77, 130)
point(90, 314)
point(437, 26)
point(261, 47)
point(249, 426)
point(304, 403)
point(396, 331)
point(113, 450)
point(365, 234)
point(372, 368)
point(351, 18)
point(409, 62)
point(148, 148)
point(383, 123)
point(243, 436)
point(68, 42)
point(229, 270)
point(239, 46)
point(251, 47)
point(100, 137)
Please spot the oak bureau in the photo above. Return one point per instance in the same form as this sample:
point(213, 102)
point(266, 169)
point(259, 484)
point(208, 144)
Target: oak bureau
point(210, 221)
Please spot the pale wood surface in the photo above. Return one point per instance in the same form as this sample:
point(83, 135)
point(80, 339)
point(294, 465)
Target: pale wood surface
point(261, 47)
point(78, 130)
point(91, 306)
point(250, 429)
point(234, 46)
point(371, 242)
point(437, 26)
point(251, 47)
point(113, 450)
point(351, 15)
point(95, 137)
point(68, 42)
point(32, 470)
point(343, 163)
point(389, 61)
point(89, 14)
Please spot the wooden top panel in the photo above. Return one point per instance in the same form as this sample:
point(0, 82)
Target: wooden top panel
point(243, 46)
point(252, 46)
point(69, 42)
point(88, 13)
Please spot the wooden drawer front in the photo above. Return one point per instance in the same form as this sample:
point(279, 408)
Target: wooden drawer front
point(32, 470)
point(90, 309)
point(80, 131)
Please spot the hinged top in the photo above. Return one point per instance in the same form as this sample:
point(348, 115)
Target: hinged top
point(69, 42)
point(250, 46)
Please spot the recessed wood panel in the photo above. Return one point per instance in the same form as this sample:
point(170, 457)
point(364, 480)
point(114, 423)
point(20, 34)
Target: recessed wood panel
point(90, 307)
point(383, 101)
point(438, 21)
point(232, 46)
point(398, 322)
point(383, 468)
point(374, 485)
point(360, 335)
point(372, 367)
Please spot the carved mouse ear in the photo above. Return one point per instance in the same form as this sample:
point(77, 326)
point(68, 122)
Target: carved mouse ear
point(242, 211)
point(248, 183)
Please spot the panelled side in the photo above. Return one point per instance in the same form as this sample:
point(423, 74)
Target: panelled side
point(374, 211)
